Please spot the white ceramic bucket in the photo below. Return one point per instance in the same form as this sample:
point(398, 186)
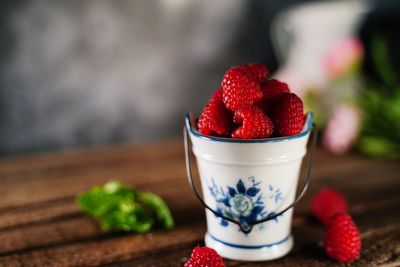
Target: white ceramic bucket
point(245, 182)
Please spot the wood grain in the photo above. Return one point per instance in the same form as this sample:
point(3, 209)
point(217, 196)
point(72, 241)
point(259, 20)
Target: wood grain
point(40, 224)
point(107, 250)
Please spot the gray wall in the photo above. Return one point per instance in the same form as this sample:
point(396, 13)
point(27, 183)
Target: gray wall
point(85, 73)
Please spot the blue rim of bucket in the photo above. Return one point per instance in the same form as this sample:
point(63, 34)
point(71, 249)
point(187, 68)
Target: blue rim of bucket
point(251, 247)
point(306, 131)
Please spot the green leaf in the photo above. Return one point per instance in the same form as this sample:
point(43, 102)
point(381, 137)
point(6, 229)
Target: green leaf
point(122, 208)
point(160, 208)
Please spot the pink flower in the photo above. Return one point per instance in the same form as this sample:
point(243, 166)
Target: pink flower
point(342, 129)
point(343, 56)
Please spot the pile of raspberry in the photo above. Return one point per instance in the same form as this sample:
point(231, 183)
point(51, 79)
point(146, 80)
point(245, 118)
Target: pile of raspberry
point(248, 105)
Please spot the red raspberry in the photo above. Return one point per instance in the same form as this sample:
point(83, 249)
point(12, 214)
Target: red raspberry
point(215, 118)
point(288, 114)
point(326, 203)
point(255, 124)
point(257, 71)
point(204, 257)
point(273, 88)
point(240, 89)
point(342, 240)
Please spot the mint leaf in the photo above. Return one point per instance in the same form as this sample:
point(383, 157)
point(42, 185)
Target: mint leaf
point(160, 208)
point(118, 207)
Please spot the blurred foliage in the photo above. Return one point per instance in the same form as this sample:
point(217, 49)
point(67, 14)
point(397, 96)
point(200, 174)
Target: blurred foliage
point(380, 134)
point(127, 209)
point(312, 102)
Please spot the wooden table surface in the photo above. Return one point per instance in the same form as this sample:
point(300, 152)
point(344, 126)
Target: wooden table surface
point(40, 225)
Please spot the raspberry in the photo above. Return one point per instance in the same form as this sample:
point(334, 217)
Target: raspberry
point(240, 88)
point(326, 203)
point(204, 257)
point(273, 88)
point(255, 124)
point(287, 114)
point(215, 118)
point(257, 71)
point(342, 240)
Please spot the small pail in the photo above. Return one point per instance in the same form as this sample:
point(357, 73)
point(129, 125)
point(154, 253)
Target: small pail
point(249, 190)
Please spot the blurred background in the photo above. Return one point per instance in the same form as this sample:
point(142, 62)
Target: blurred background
point(78, 74)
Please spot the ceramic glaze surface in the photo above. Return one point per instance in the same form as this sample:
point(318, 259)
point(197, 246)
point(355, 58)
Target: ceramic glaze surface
point(248, 181)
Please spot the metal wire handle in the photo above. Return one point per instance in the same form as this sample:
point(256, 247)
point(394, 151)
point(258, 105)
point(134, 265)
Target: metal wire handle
point(244, 226)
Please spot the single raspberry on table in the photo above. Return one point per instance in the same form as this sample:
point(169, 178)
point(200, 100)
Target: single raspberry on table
point(287, 114)
point(342, 240)
point(215, 118)
point(255, 124)
point(240, 88)
point(204, 257)
point(326, 203)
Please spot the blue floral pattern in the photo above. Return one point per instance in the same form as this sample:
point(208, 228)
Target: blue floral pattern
point(275, 194)
point(241, 203)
